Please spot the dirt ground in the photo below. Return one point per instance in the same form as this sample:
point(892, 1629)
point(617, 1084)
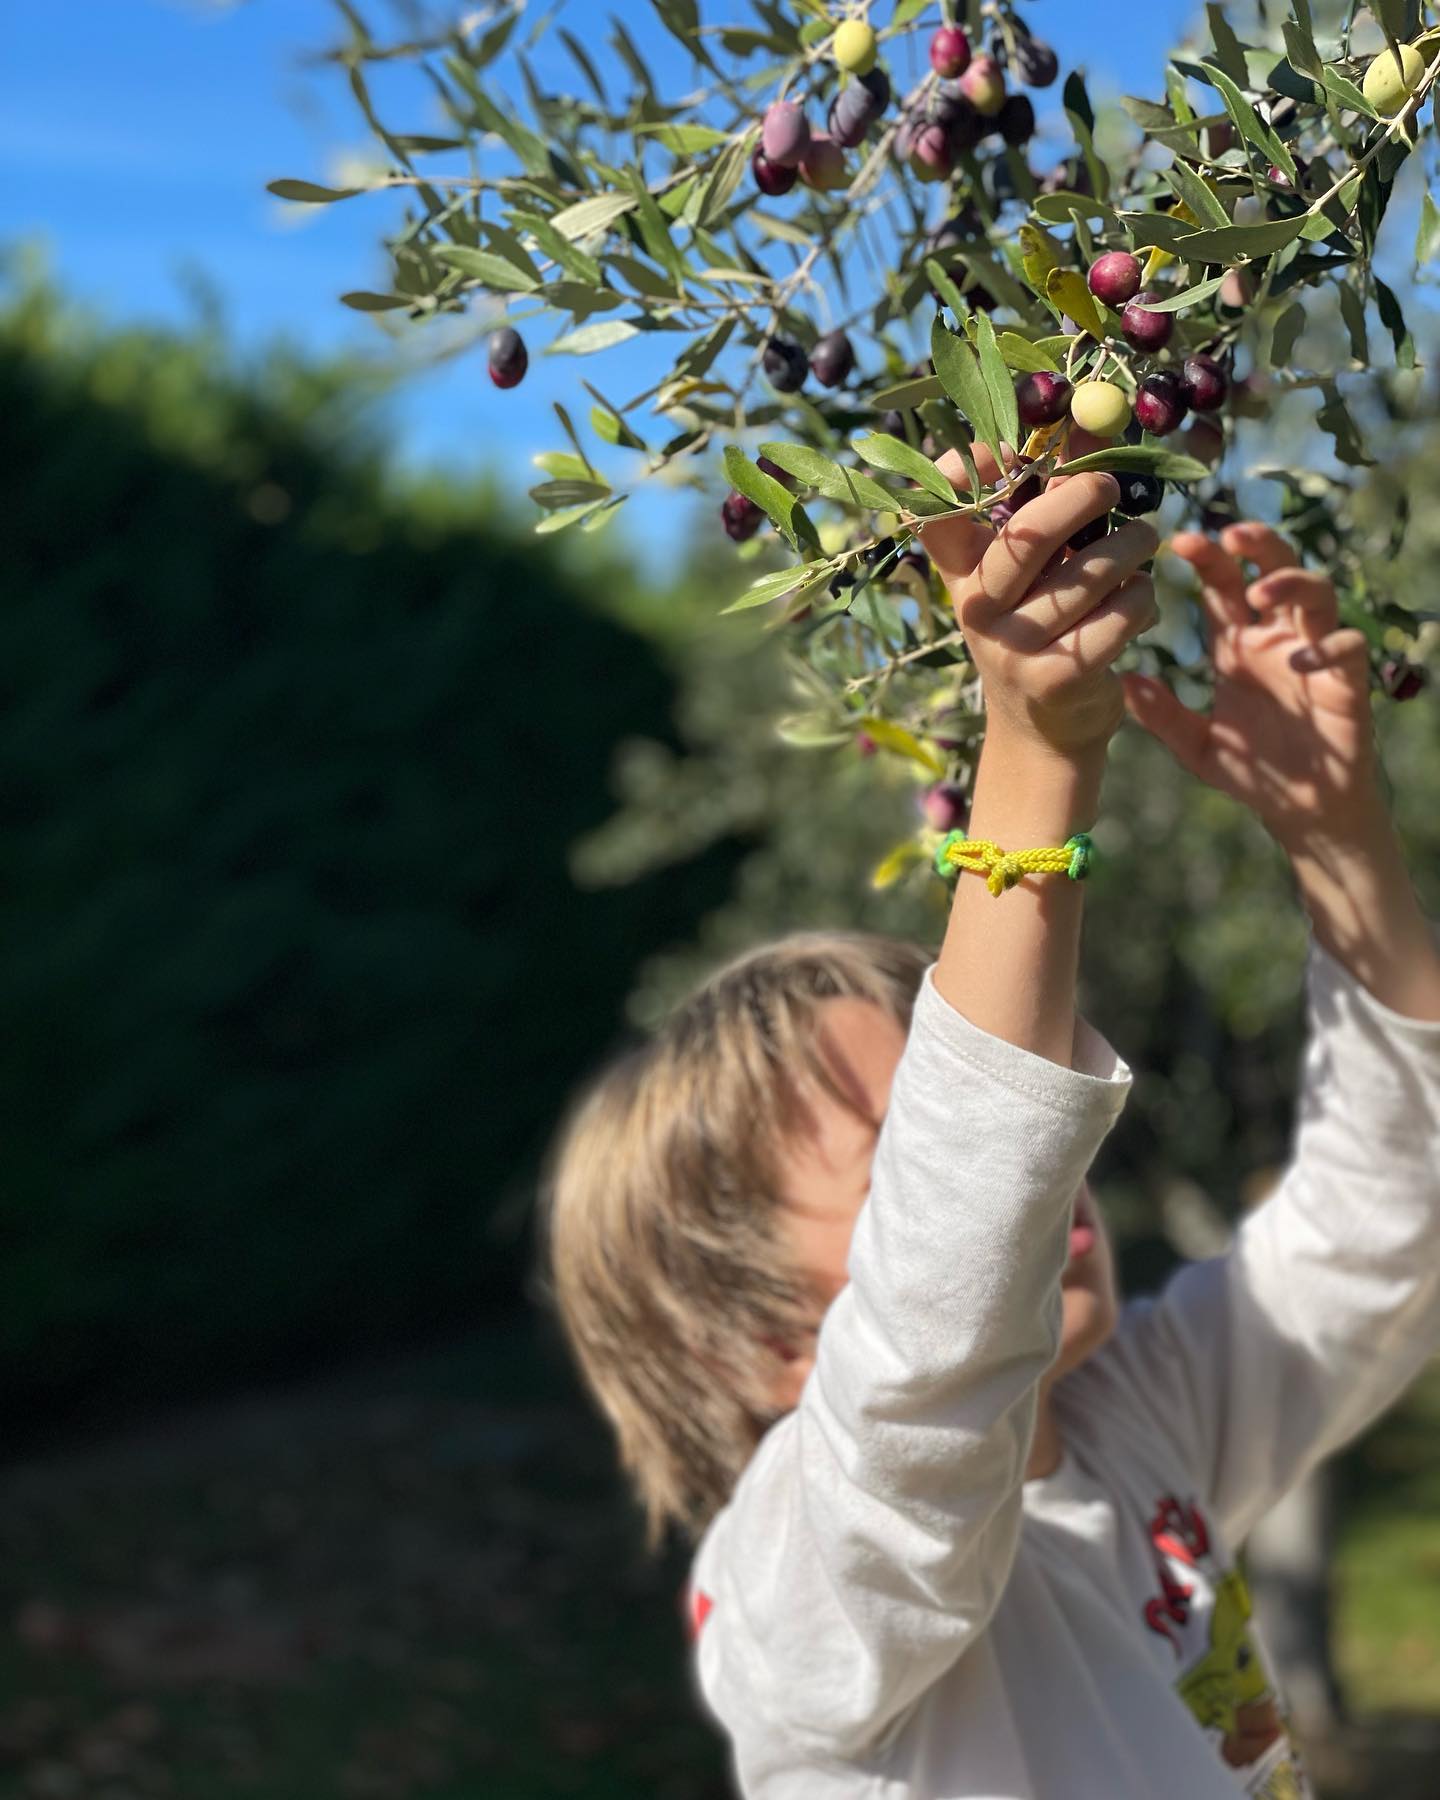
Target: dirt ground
point(418, 1582)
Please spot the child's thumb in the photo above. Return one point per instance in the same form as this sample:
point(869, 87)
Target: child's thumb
point(1182, 732)
point(955, 546)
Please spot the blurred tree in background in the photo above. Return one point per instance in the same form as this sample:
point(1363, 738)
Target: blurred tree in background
point(293, 978)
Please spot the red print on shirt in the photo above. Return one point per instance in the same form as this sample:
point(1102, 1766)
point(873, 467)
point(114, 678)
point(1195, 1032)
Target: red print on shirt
point(1178, 1530)
point(697, 1610)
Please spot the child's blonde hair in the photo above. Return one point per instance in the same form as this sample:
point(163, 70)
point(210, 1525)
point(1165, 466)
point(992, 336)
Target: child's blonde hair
point(661, 1235)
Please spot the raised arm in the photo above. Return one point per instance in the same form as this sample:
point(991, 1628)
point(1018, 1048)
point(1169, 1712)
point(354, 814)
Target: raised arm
point(873, 1534)
point(1271, 1357)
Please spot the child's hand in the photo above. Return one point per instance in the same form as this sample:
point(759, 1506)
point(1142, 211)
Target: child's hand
point(1044, 626)
point(1290, 731)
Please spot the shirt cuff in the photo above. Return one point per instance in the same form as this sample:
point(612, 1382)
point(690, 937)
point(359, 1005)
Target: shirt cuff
point(1099, 1083)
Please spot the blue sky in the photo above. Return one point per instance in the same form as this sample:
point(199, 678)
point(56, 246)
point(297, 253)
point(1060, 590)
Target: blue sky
point(137, 137)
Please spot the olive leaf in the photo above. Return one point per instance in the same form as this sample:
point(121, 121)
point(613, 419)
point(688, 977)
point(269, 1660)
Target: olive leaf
point(1285, 334)
point(1028, 358)
point(782, 581)
point(773, 498)
point(999, 382)
point(1393, 319)
point(495, 271)
point(360, 301)
point(1040, 254)
point(1068, 292)
point(568, 492)
point(1082, 121)
point(1205, 205)
point(1300, 48)
point(1427, 238)
point(1234, 243)
point(309, 193)
point(1228, 53)
point(590, 338)
point(882, 451)
point(1059, 208)
point(890, 736)
point(1247, 120)
point(830, 479)
point(1138, 459)
point(907, 394)
point(1352, 311)
point(959, 370)
point(1191, 296)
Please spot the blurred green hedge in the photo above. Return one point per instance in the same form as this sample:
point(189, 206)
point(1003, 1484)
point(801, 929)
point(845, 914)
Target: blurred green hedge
point(293, 977)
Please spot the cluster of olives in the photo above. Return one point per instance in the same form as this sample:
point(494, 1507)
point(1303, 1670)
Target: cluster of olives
point(970, 101)
point(790, 151)
point(1162, 399)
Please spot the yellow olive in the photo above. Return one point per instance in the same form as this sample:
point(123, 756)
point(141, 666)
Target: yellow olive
point(855, 46)
point(1389, 82)
point(1100, 408)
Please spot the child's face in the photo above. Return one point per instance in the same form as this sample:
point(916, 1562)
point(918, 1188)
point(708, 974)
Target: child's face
point(826, 1176)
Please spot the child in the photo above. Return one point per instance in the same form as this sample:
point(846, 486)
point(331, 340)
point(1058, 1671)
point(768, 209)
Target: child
point(975, 1536)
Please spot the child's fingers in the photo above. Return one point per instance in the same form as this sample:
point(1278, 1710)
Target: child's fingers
point(1309, 595)
point(1183, 733)
point(1024, 549)
point(1337, 672)
point(1222, 580)
point(1258, 544)
point(1119, 618)
point(1074, 587)
point(955, 546)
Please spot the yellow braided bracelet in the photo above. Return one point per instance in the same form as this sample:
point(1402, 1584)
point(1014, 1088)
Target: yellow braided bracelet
point(1003, 868)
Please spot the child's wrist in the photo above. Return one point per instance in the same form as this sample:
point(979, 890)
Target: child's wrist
point(1028, 792)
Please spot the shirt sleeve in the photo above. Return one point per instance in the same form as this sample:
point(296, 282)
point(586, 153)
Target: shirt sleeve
point(873, 1532)
point(1267, 1359)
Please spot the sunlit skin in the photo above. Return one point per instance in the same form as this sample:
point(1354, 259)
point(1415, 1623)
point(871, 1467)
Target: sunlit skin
point(825, 1176)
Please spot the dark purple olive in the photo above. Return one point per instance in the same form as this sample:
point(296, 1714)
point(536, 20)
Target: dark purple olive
point(1146, 330)
point(857, 106)
point(741, 517)
point(832, 361)
point(1139, 493)
point(967, 128)
point(1089, 534)
point(772, 177)
point(776, 473)
point(1402, 679)
point(1016, 120)
point(1206, 383)
point(1160, 403)
point(945, 806)
point(786, 365)
point(1042, 398)
point(1036, 63)
point(509, 359)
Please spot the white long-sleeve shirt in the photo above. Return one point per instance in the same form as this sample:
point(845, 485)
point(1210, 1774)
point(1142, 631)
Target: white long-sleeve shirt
point(891, 1610)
